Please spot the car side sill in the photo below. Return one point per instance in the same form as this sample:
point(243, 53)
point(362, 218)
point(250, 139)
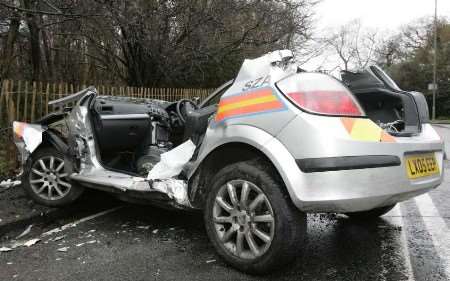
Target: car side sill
point(310, 165)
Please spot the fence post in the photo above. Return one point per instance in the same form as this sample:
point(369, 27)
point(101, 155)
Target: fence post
point(19, 88)
point(7, 92)
point(60, 90)
point(66, 89)
point(11, 104)
point(54, 94)
point(25, 102)
point(47, 92)
point(10, 150)
point(41, 99)
point(33, 101)
point(2, 93)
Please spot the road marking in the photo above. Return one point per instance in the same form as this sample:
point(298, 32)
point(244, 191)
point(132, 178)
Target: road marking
point(85, 219)
point(396, 217)
point(437, 228)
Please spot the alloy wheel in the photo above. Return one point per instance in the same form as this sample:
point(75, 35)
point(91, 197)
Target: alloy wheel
point(243, 219)
point(48, 179)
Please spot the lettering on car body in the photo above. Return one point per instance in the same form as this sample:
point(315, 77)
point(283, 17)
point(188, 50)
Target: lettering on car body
point(256, 83)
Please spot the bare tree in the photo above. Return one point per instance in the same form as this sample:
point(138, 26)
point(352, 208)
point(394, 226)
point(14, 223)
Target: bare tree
point(354, 46)
point(8, 52)
point(148, 42)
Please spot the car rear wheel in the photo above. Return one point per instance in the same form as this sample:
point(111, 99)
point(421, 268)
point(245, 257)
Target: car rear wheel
point(371, 214)
point(251, 220)
point(46, 181)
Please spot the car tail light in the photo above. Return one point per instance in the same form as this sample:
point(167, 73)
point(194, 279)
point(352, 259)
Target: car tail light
point(320, 93)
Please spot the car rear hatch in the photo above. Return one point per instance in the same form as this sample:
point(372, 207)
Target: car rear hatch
point(400, 113)
point(364, 119)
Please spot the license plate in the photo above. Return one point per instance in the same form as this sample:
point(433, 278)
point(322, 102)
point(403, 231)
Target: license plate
point(421, 165)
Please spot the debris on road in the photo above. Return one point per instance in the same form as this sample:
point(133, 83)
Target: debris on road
point(59, 229)
point(6, 184)
point(17, 244)
point(63, 249)
point(31, 242)
point(58, 238)
point(74, 224)
point(155, 231)
point(88, 242)
point(146, 227)
point(210, 261)
point(5, 249)
point(25, 232)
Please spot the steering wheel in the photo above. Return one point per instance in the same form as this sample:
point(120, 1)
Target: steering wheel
point(183, 106)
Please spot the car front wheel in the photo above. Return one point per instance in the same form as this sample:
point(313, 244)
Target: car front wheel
point(46, 181)
point(251, 220)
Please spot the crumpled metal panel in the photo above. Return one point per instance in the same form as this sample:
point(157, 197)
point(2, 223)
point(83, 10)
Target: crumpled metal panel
point(91, 170)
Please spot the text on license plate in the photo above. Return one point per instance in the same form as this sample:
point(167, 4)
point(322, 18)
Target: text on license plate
point(421, 165)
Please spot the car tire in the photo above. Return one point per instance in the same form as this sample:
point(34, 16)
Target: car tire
point(371, 214)
point(282, 225)
point(45, 180)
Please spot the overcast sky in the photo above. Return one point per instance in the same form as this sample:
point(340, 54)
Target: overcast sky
point(384, 15)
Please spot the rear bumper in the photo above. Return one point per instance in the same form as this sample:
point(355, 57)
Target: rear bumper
point(355, 190)
point(325, 171)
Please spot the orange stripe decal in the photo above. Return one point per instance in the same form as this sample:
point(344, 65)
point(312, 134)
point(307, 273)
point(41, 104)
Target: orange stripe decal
point(348, 123)
point(250, 109)
point(255, 94)
point(385, 137)
point(258, 101)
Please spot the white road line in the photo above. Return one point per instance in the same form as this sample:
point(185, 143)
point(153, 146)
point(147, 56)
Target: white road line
point(75, 223)
point(437, 228)
point(397, 218)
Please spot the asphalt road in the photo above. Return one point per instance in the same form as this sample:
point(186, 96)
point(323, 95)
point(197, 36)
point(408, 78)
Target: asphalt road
point(412, 242)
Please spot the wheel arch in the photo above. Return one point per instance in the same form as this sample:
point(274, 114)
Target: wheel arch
point(52, 139)
point(221, 156)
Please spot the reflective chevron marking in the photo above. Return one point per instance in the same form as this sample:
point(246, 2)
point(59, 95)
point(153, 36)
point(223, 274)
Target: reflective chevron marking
point(361, 129)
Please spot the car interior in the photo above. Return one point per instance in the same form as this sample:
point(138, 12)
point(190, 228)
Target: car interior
point(131, 133)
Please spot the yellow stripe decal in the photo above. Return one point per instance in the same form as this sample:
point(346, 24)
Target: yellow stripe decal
point(365, 130)
point(246, 103)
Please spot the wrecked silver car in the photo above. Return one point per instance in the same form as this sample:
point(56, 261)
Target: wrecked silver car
point(255, 156)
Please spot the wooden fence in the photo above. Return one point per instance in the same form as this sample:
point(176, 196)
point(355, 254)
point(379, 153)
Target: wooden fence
point(28, 101)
